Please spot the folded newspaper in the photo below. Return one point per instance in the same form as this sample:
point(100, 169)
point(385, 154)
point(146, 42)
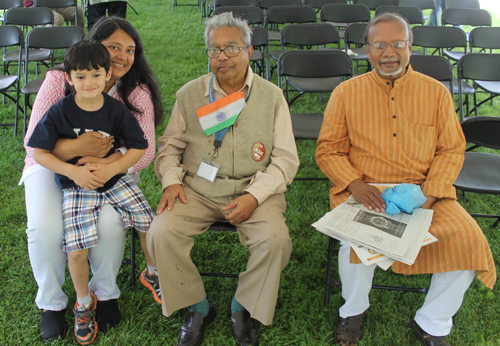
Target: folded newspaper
point(378, 238)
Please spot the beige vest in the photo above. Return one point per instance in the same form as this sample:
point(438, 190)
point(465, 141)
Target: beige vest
point(254, 124)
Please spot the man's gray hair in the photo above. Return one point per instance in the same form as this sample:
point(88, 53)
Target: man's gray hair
point(385, 18)
point(227, 20)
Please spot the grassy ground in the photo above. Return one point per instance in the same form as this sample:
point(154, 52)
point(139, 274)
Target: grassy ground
point(174, 46)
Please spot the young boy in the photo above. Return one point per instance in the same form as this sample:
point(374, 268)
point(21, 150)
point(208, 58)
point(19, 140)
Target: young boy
point(87, 187)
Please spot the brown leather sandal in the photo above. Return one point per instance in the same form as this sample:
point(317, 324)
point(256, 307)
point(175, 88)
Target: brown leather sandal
point(349, 330)
point(426, 338)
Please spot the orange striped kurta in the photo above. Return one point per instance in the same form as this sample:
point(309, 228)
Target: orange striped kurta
point(405, 133)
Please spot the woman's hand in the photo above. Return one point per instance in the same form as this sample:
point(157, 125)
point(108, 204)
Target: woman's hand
point(88, 144)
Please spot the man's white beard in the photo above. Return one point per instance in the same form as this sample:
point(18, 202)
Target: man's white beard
point(390, 73)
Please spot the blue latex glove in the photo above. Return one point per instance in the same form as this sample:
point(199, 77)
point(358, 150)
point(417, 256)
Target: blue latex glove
point(404, 197)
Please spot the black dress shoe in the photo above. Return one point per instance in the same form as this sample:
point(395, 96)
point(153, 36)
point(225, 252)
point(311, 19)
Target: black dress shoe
point(193, 329)
point(107, 314)
point(244, 329)
point(426, 338)
point(52, 325)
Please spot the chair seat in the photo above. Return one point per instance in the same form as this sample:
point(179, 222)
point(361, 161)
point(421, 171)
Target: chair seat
point(466, 88)
point(274, 35)
point(32, 87)
point(275, 54)
point(6, 82)
point(361, 53)
point(315, 85)
point(455, 56)
point(479, 173)
point(33, 55)
point(256, 55)
point(492, 87)
point(307, 125)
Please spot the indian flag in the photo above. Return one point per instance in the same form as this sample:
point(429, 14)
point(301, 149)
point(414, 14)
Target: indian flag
point(221, 113)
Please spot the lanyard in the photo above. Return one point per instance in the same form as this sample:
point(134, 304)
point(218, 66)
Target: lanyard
point(220, 134)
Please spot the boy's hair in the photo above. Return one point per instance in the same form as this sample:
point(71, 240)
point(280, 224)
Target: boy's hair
point(86, 55)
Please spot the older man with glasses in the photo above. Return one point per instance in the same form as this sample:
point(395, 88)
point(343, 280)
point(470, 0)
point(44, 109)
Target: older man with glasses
point(228, 153)
point(394, 125)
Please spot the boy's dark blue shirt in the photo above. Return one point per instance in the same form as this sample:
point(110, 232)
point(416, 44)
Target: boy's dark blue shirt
point(66, 120)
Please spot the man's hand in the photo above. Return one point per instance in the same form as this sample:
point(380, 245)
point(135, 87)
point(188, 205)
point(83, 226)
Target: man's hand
point(429, 203)
point(367, 195)
point(95, 144)
point(168, 198)
point(243, 208)
point(84, 177)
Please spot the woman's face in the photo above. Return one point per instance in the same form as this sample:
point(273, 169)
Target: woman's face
point(121, 49)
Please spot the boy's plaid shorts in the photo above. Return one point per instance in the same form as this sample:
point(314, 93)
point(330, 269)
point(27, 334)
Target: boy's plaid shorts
point(81, 210)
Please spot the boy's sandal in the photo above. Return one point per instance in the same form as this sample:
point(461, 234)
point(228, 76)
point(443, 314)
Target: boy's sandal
point(426, 338)
point(349, 330)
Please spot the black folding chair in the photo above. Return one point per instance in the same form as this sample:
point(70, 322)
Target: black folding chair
point(27, 17)
point(306, 36)
point(318, 4)
point(374, 4)
point(355, 45)
point(342, 15)
point(312, 71)
point(434, 66)
point(471, 4)
point(7, 4)
point(59, 37)
point(422, 4)
point(291, 14)
point(12, 36)
point(484, 70)
point(411, 13)
point(479, 173)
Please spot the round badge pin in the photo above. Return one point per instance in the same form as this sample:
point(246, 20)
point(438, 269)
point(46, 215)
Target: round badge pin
point(258, 151)
point(221, 116)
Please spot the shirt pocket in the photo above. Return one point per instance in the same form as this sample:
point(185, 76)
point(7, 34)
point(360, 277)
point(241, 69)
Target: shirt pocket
point(420, 142)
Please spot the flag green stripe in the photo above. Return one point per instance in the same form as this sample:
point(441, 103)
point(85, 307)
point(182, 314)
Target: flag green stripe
point(220, 126)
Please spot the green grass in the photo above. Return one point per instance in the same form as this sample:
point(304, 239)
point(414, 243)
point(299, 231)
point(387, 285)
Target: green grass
point(174, 46)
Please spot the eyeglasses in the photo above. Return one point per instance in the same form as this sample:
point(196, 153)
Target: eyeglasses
point(230, 51)
point(396, 45)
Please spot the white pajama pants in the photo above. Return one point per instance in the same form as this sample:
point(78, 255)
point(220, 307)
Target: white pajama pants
point(443, 300)
point(45, 236)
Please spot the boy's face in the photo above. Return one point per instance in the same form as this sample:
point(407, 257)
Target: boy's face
point(88, 83)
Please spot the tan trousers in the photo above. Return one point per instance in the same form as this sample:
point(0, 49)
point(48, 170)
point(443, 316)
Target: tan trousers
point(62, 14)
point(265, 234)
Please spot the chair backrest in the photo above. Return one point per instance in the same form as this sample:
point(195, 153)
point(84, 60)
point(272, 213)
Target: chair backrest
point(237, 3)
point(442, 37)
point(57, 37)
point(260, 36)
point(374, 4)
point(290, 14)
point(29, 16)
point(265, 4)
point(6, 4)
point(488, 38)
point(306, 35)
point(461, 4)
point(482, 131)
point(412, 14)
point(54, 3)
point(11, 35)
point(252, 14)
point(320, 3)
point(462, 16)
point(345, 13)
point(421, 4)
point(314, 64)
point(479, 66)
point(435, 66)
point(354, 34)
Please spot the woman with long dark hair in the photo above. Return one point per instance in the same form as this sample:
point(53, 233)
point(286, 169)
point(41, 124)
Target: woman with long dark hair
point(133, 83)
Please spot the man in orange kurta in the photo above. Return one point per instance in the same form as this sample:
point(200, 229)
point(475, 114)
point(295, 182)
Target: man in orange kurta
point(395, 125)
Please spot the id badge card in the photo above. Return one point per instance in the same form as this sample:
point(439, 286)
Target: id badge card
point(208, 170)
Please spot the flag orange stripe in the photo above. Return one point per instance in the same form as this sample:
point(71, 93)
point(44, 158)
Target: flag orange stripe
point(212, 107)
